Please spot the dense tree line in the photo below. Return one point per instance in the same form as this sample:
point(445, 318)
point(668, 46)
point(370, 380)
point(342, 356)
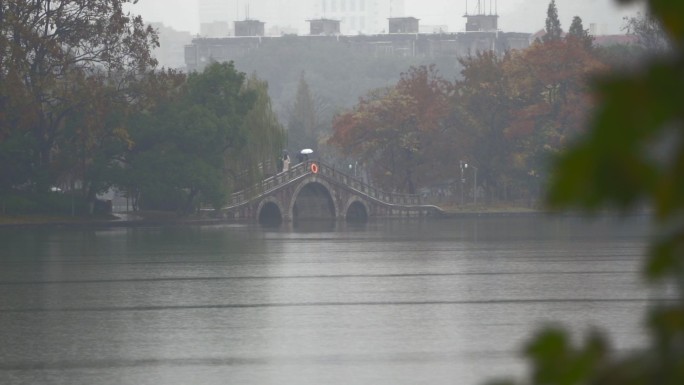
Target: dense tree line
point(396, 131)
point(506, 116)
point(84, 109)
point(208, 134)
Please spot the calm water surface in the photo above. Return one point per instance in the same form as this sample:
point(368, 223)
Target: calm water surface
point(415, 302)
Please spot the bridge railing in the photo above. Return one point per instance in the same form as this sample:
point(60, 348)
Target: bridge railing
point(302, 169)
point(364, 188)
point(269, 184)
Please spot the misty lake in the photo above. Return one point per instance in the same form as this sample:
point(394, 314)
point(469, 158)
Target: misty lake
point(390, 302)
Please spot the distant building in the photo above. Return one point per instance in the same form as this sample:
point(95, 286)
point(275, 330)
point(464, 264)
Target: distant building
point(249, 28)
point(171, 50)
point(405, 38)
point(403, 25)
point(356, 16)
point(203, 51)
point(482, 23)
point(433, 28)
point(277, 30)
point(326, 27)
point(359, 16)
point(289, 14)
point(211, 11)
point(215, 29)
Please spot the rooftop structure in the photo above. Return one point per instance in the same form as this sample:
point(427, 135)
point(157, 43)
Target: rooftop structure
point(481, 23)
point(203, 51)
point(327, 27)
point(249, 28)
point(403, 25)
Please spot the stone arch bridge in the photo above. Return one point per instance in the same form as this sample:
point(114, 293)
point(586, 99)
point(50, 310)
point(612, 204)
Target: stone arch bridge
point(313, 190)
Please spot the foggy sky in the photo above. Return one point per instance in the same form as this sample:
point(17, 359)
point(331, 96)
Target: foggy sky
point(514, 15)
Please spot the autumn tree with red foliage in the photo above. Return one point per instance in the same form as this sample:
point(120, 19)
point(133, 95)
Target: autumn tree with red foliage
point(506, 116)
point(484, 106)
point(399, 133)
point(549, 85)
point(65, 63)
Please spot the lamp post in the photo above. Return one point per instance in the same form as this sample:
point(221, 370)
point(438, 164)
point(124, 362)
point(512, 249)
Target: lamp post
point(475, 186)
point(463, 165)
point(353, 167)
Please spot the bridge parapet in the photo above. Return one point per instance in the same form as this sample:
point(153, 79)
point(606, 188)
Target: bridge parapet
point(364, 188)
point(269, 184)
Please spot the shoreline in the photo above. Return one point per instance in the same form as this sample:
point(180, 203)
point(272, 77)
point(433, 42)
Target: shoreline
point(75, 222)
point(169, 219)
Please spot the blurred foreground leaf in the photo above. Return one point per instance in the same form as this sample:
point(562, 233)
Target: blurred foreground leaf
point(632, 159)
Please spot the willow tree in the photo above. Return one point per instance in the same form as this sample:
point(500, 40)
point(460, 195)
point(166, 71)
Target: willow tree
point(264, 139)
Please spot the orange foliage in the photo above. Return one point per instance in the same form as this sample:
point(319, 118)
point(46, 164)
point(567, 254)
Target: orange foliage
point(505, 115)
point(391, 128)
point(550, 82)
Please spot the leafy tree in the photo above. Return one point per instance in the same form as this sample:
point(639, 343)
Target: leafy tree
point(651, 39)
point(521, 108)
point(578, 35)
point(553, 26)
point(620, 57)
point(648, 31)
point(633, 157)
point(199, 138)
point(182, 143)
point(264, 140)
point(549, 84)
point(93, 138)
point(58, 58)
point(485, 99)
point(398, 132)
point(177, 157)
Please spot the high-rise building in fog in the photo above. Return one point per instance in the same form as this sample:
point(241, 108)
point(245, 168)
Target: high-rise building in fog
point(278, 15)
point(216, 17)
point(171, 50)
point(360, 16)
point(356, 16)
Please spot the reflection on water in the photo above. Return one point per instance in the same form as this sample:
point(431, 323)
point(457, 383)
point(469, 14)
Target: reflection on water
point(313, 226)
point(401, 302)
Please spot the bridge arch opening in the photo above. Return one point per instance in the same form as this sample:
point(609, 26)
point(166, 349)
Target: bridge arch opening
point(313, 202)
point(357, 212)
point(270, 215)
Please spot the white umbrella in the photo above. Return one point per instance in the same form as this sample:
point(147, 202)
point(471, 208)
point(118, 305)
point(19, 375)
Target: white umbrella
point(306, 151)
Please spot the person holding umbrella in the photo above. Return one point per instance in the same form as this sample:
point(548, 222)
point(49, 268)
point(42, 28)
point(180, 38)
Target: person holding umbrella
point(305, 152)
